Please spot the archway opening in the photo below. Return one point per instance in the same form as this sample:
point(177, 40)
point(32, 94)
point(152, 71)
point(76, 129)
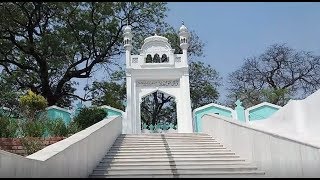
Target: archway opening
point(158, 113)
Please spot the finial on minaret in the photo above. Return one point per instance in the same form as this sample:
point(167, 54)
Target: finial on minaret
point(184, 36)
point(157, 31)
point(127, 37)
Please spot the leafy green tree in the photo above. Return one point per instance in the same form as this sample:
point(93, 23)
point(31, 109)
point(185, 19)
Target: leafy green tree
point(57, 127)
point(277, 75)
point(89, 116)
point(204, 81)
point(9, 96)
point(32, 104)
point(9, 127)
point(45, 46)
point(111, 93)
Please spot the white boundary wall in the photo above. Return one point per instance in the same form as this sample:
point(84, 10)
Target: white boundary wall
point(299, 120)
point(277, 155)
point(75, 156)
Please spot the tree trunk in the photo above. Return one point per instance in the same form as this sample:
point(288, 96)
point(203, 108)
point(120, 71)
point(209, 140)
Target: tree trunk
point(52, 100)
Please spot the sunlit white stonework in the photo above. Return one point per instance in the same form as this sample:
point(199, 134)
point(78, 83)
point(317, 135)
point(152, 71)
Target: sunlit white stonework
point(157, 68)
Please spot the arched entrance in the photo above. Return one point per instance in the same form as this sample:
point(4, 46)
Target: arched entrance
point(158, 113)
point(157, 68)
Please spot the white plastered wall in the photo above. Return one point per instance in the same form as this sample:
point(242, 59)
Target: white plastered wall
point(298, 119)
point(155, 74)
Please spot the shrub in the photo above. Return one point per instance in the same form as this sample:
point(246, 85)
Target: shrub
point(31, 145)
point(73, 128)
point(89, 116)
point(32, 103)
point(57, 127)
point(8, 127)
point(34, 128)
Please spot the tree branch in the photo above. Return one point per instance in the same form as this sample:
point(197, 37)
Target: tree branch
point(76, 96)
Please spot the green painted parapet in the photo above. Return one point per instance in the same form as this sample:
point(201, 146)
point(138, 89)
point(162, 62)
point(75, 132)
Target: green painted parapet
point(4, 111)
point(261, 111)
point(55, 112)
point(112, 111)
point(210, 108)
point(240, 111)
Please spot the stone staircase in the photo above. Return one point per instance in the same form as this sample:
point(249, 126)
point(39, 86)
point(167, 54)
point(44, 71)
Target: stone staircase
point(172, 156)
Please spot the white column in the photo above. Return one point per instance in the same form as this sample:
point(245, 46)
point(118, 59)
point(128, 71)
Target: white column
point(139, 112)
point(128, 58)
point(179, 107)
point(185, 57)
point(135, 113)
point(186, 120)
point(127, 126)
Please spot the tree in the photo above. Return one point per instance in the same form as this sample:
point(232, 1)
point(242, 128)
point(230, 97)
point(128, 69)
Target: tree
point(204, 81)
point(9, 94)
point(158, 107)
point(45, 46)
point(277, 75)
point(111, 92)
point(32, 104)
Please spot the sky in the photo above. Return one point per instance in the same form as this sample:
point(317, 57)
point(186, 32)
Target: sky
point(233, 31)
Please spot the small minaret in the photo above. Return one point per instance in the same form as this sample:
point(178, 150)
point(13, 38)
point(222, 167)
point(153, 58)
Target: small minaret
point(186, 122)
point(184, 42)
point(127, 41)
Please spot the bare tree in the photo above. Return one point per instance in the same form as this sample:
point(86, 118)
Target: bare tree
point(277, 75)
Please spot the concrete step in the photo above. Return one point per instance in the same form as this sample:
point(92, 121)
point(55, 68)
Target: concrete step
point(238, 167)
point(166, 141)
point(161, 135)
point(165, 134)
point(219, 149)
point(166, 146)
point(259, 174)
point(170, 143)
point(170, 171)
point(171, 163)
point(181, 172)
point(120, 153)
point(171, 156)
point(170, 160)
point(187, 155)
point(163, 147)
point(182, 176)
point(165, 138)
